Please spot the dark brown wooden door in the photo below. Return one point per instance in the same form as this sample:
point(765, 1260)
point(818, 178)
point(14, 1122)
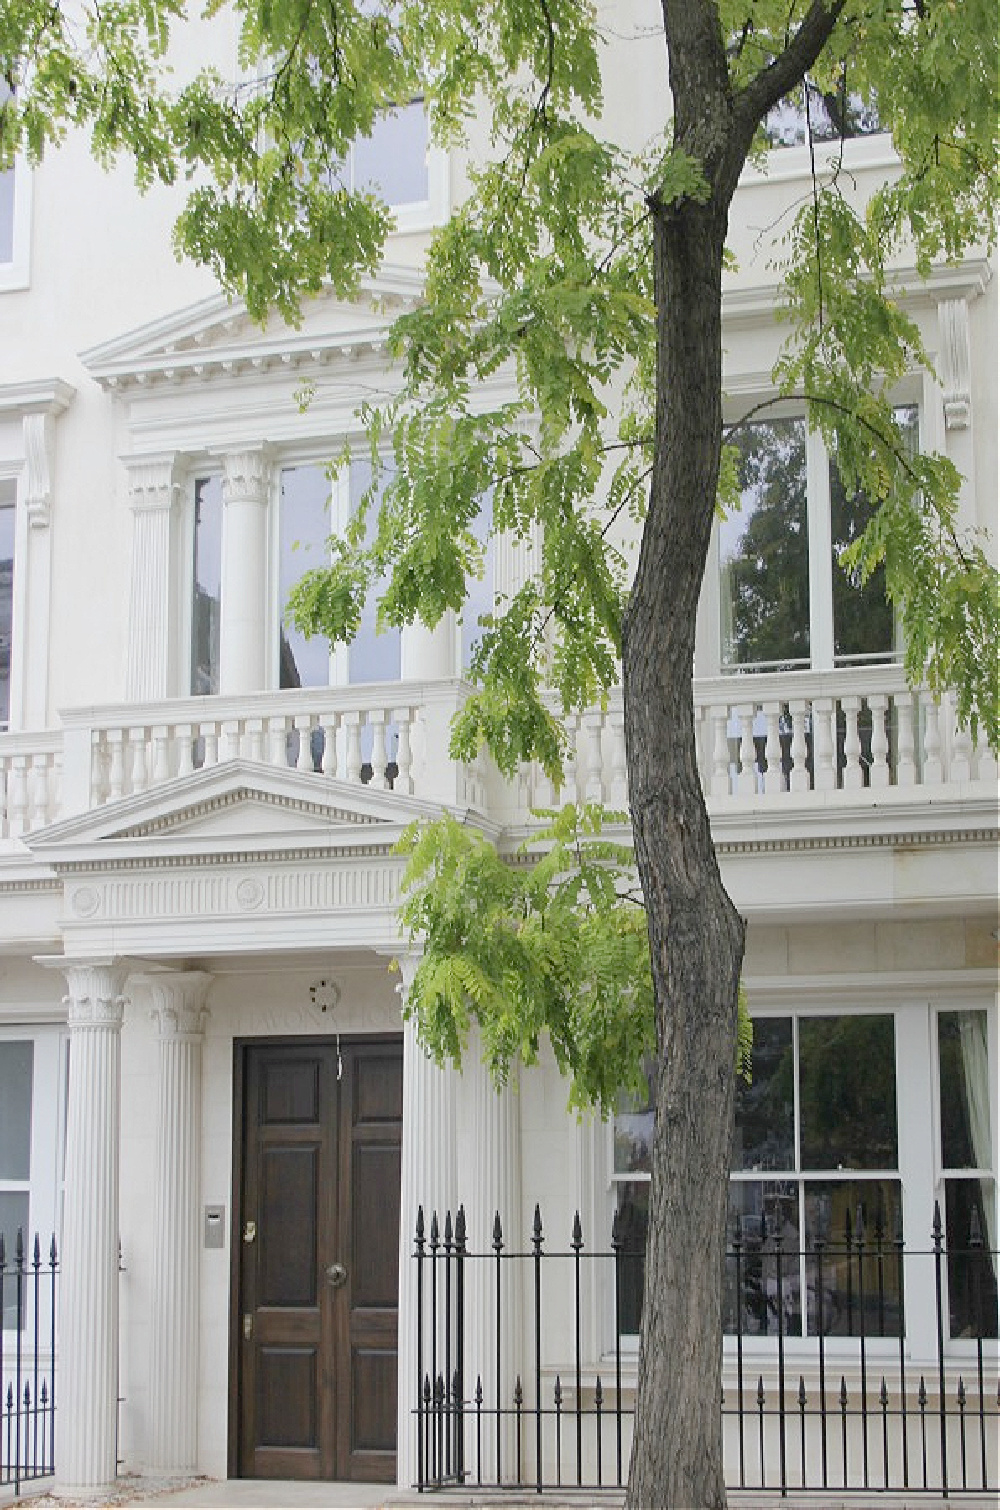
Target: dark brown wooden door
point(318, 1263)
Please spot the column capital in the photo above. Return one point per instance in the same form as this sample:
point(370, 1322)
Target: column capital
point(177, 1001)
point(152, 482)
point(405, 962)
point(96, 996)
point(246, 476)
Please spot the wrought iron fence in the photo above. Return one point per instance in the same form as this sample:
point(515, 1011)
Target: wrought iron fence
point(27, 1361)
point(841, 1405)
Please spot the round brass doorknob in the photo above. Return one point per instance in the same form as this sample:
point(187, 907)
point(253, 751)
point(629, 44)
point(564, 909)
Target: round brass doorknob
point(337, 1275)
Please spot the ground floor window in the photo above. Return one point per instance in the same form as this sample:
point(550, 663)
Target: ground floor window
point(816, 1202)
point(32, 1123)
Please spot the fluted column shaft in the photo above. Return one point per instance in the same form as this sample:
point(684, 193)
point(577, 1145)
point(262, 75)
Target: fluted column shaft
point(494, 1188)
point(87, 1378)
point(152, 495)
point(429, 1179)
point(179, 1012)
point(243, 643)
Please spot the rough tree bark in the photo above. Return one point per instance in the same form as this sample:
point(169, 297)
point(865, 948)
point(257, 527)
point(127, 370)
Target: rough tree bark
point(696, 936)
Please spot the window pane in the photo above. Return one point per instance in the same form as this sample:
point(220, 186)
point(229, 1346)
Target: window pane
point(206, 604)
point(757, 1289)
point(970, 1229)
point(634, 1122)
point(305, 529)
point(833, 114)
point(764, 1136)
point(479, 591)
point(847, 1092)
point(863, 619)
point(393, 160)
point(855, 1280)
point(16, 1060)
point(13, 1218)
point(964, 1061)
point(633, 1223)
point(6, 596)
point(374, 654)
point(7, 215)
point(764, 550)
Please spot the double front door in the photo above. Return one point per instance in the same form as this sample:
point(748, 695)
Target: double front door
point(315, 1320)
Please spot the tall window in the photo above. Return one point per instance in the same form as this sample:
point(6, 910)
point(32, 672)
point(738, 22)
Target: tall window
point(6, 197)
point(206, 602)
point(16, 1087)
point(305, 526)
point(776, 613)
point(966, 1163)
point(393, 160)
point(814, 1167)
point(7, 520)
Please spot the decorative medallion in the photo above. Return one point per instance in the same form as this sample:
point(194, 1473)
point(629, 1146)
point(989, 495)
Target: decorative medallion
point(85, 901)
point(249, 894)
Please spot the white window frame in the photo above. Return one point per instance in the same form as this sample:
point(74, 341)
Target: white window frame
point(48, 1137)
point(819, 537)
point(15, 273)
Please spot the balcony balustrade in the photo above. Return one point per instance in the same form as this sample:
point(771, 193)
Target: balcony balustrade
point(780, 743)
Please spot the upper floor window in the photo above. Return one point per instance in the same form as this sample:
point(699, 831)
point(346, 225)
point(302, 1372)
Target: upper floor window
point(835, 114)
point(393, 161)
point(309, 512)
point(7, 524)
point(15, 188)
point(787, 601)
point(206, 603)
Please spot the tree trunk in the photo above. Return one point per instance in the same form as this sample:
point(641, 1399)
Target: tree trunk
point(696, 937)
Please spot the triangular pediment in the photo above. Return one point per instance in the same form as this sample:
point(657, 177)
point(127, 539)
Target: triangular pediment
point(236, 805)
point(218, 335)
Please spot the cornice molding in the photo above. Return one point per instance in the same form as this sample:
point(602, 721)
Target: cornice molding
point(39, 396)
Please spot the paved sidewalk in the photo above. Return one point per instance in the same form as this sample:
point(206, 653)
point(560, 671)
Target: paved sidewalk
point(267, 1494)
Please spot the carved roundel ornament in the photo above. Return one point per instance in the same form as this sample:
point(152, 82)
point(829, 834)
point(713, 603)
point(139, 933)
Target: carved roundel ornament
point(249, 894)
point(324, 994)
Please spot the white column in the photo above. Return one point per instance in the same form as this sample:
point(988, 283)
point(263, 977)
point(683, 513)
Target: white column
point(494, 1187)
point(429, 1179)
point(428, 655)
point(87, 1370)
point(152, 491)
point(245, 620)
point(179, 1012)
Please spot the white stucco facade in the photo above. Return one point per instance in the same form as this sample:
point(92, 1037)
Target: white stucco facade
point(184, 876)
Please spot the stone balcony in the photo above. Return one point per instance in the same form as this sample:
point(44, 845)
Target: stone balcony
point(777, 749)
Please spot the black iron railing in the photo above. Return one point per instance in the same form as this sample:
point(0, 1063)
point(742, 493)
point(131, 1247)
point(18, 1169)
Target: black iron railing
point(838, 1404)
point(27, 1362)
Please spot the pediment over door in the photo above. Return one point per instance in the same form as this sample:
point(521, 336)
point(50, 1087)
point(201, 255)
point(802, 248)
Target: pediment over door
point(238, 859)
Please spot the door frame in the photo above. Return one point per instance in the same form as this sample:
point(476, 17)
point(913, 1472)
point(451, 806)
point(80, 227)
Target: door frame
point(241, 1048)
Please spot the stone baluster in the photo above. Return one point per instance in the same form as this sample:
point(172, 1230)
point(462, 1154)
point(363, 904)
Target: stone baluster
point(178, 1009)
point(906, 768)
point(746, 781)
point(352, 746)
point(960, 765)
point(161, 753)
point(185, 749)
point(933, 766)
point(277, 740)
point(986, 760)
point(824, 744)
point(38, 791)
point(853, 774)
point(229, 740)
point(379, 759)
point(798, 780)
point(592, 726)
point(328, 724)
point(17, 796)
point(774, 776)
point(254, 738)
point(88, 1301)
point(879, 774)
point(721, 775)
point(138, 778)
point(116, 764)
point(404, 759)
point(210, 737)
point(303, 760)
point(618, 777)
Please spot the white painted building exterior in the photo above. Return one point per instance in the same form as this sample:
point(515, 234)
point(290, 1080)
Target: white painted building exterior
point(177, 878)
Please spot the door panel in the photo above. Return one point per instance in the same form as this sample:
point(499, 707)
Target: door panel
point(316, 1350)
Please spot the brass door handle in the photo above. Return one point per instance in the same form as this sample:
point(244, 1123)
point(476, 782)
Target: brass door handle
point(336, 1275)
